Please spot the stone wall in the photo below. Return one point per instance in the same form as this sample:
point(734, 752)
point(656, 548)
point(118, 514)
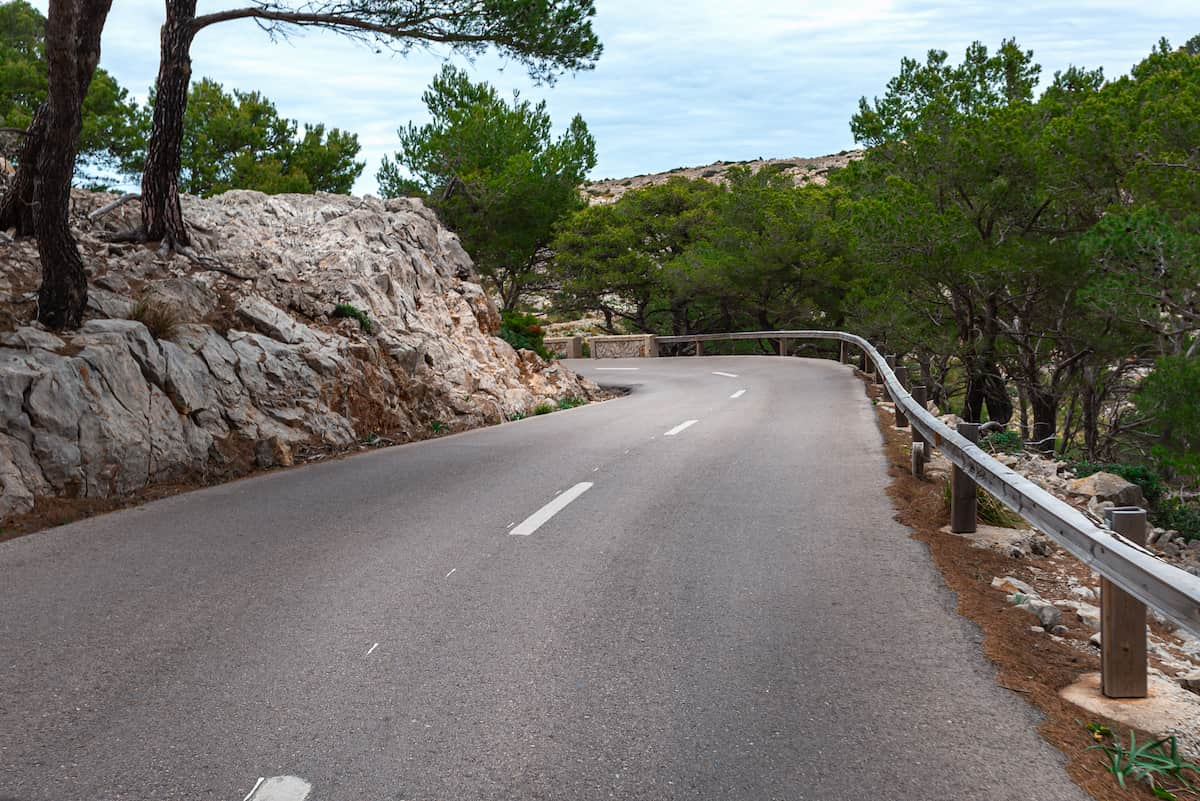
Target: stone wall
point(624, 347)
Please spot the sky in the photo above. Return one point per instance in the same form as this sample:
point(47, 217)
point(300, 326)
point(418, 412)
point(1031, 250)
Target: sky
point(680, 83)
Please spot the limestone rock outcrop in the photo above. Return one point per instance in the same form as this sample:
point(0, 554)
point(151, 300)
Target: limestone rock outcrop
point(192, 368)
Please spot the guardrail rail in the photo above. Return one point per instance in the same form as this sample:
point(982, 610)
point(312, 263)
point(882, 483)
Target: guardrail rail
point(1119, 559)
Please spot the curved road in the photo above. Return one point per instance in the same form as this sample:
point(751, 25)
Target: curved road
point(725, 613)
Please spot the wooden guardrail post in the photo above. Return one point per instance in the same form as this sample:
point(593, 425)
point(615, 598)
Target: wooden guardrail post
point(866, 363)
point(1123, 621)
point(964, 498)
point(902, 376)
point(920, 448)
point(782, 346)
point(699, 348)
point(844, 353)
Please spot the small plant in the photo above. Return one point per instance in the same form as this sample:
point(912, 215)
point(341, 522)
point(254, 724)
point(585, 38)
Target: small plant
point(158, 318)
point(1175, 514)
point(1003, 442)
point(543, 408)
point(1154, 762)
point(523, 331)
point(570, 403)
point(515, 416)
point(437, 426)
point(354, 313)
point(988, 510)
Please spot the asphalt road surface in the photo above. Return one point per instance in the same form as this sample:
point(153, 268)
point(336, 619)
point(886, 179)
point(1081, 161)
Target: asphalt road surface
point(612, 602)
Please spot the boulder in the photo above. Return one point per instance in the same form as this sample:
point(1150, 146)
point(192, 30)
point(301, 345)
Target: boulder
point(1107, 487)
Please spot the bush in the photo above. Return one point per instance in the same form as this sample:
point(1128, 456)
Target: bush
point(1152, 487)
point(158, 318)
point(543, 408)
point(354, 313)
point(1003, 442)
point(1175, 514)
point(523, 332)
point(570, 403)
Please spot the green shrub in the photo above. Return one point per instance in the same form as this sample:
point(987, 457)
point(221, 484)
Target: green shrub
point(354, 313)
point(1152, 487)
point(523, 331)
point(1173, 513)
point(1003, 442)
point(570, 403)
point(543, 408)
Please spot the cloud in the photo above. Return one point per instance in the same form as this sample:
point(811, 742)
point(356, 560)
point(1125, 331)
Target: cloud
point(680, 83)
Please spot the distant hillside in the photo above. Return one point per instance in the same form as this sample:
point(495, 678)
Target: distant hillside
point(803, 171)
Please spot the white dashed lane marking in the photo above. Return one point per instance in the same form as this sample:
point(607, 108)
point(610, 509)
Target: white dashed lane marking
point(737, 394)
point(541, 516)
point(685, 424)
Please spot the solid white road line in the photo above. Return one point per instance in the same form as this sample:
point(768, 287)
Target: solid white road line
point(617, 368)
point(373, 647)
point(452, 572)
point(738, 394)
point(681, 427)
point(541, 516)
point(727, 375)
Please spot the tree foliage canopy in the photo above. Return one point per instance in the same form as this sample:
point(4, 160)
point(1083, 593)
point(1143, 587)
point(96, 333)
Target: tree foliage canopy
point(110, 116)
point(238, 140)
point(495, 174)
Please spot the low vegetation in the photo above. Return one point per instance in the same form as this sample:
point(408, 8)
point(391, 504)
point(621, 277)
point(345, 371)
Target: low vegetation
point(349, 311)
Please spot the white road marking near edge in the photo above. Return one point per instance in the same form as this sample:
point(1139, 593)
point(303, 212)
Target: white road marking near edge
point(252, 789)
point(737, 394)
point(681, 427)
point(727, 375)
point(372, 649)
point(541, 516)
point(452, 572)
point(617, 368)
point(280, 788)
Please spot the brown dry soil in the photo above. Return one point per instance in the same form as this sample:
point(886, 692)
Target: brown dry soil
point(1032, 665)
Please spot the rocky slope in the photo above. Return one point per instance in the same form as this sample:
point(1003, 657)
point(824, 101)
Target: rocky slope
point(193, 368)
point(802, 170)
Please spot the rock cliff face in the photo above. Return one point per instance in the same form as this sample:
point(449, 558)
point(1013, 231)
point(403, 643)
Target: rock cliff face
point(196, 368)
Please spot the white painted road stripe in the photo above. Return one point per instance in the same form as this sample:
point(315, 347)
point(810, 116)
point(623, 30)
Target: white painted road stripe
point(618, 368)
point(452, 572)
point(539, 518)
point(681, 427)
point(727, 375)
point(280, 788)
point(255, 787)
point(373, 647)
point(738, 394)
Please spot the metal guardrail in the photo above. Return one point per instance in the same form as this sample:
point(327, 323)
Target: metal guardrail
point(1172, 592)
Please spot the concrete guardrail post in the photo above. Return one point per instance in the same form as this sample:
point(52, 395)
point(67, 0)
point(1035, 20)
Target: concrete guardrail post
point(1123, 620)
point(901, 417)
point(964, 498)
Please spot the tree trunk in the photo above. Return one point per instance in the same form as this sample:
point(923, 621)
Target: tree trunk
point(16, 208)
point(72, 52)
point(1045, 419)
point(162, 215)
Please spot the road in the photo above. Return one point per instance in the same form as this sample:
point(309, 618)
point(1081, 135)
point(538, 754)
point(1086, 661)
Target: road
point(727, 612)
